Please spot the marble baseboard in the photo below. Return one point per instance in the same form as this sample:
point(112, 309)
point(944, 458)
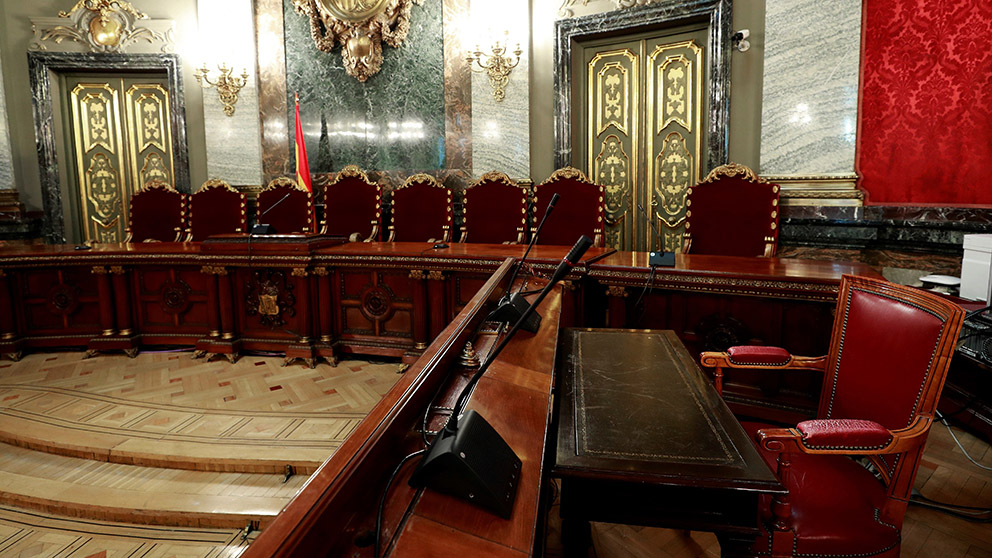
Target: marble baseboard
point(885, 262)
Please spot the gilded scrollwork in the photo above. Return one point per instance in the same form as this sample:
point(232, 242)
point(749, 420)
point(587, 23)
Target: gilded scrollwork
point(359, 27)
point(101, 25)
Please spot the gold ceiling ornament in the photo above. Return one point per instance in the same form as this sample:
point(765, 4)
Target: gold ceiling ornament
point(107, 25)
point(359, 27)
point(497, 66)
point(227, 86)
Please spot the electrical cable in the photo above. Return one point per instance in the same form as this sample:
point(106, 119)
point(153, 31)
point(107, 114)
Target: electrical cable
point(956, 441)
point(647, 286)
point(382, 499)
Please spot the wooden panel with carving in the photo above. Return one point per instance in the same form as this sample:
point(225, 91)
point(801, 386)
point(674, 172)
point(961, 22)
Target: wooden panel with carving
point(377, 307)
point(149, 133)
point(268, 305)
point(171, 301)
point(100, 157)
point(58, 303)
point(674, 132)
point(614, 112)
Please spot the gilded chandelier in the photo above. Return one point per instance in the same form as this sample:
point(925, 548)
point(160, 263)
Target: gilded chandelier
point(497, 66)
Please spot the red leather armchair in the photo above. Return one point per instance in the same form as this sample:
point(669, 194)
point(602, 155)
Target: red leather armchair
point(732, 212)
point(157, 214)
point(499, 210)
point(286, 206)
point(352, 206)
point(580, 209)
point(422, 211)
point(889, 353)
point(216, 208)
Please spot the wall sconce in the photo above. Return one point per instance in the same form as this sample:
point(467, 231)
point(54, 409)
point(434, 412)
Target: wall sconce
point(497, 66)
point(227, 86)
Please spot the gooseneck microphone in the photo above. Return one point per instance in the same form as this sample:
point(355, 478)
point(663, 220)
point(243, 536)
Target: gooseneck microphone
point(513, 305)
point(468, 458)
point(259, 228)
point(656, 258)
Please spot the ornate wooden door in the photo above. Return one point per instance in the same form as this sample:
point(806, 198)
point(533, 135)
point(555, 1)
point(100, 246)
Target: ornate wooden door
point(640, 130)
point(119, 135)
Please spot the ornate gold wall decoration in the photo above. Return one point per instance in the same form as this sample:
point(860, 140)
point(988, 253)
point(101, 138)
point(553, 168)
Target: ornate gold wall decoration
point(100, 25)
point(674, 178)
point(497, 66)
point(675, 102)
point(612, 171)
point(149, 133)
point(360, 27)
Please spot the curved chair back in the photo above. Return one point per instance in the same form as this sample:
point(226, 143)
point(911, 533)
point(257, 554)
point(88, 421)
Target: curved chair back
point(732, 212)
point(579, 211)
point(499, 210)
point(286, 206)
point(216, 208)
point(158, 213)
point(352, 204)
point(422, 211)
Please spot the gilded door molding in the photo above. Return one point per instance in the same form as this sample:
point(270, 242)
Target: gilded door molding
point(149, 134)
point(674, 134)
point(612, 101)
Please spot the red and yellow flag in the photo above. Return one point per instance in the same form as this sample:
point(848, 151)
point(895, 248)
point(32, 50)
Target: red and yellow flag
point(302, 164)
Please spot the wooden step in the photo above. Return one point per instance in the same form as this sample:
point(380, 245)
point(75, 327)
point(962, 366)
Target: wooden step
point(82, 488)
point(24, 533)
point(169, 410)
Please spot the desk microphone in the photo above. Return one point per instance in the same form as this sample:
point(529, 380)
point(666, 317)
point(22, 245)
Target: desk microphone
point(513, 305)
point(259, 228)
point(468, 458)
point(657, 259)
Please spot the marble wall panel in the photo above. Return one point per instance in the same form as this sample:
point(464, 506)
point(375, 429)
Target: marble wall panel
point(234, 150)
point(272, 89)
point(6, 159)
point(457, 87)
point(810, 87)
point(501, 130)
point(395, 120)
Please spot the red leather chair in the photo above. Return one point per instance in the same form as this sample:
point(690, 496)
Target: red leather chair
point(889, 353)
point(157, 214)
point(499, 209)
point(286, 206)
point(732, 212)
point(216, 208)
point(352, 206)
point(422, 211)
point(580, 209)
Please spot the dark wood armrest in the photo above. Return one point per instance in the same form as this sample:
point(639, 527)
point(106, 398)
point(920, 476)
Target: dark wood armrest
point(757, 356)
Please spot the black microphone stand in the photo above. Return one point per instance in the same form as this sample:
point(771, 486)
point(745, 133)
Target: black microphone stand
point(513, 305)
point(656, 258)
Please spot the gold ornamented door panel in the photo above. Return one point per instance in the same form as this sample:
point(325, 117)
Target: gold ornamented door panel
point(640, 131)
point(120, 138)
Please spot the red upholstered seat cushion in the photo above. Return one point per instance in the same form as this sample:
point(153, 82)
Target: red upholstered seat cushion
point(757, 355)
point(350, 206)
point(835, 504)
point(494, 212)
point(844, 434)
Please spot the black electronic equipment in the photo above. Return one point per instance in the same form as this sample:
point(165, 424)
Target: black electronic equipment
point(657, 259)
point(976, 335)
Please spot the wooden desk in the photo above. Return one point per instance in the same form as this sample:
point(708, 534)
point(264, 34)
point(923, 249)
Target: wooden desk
point(643, 438)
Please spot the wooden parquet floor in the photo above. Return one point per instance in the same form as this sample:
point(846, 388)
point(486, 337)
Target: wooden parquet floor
point(944, 475)
point(96, 454)
point(170, 410)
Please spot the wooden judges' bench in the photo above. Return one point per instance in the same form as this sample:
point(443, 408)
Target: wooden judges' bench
point(314, 296)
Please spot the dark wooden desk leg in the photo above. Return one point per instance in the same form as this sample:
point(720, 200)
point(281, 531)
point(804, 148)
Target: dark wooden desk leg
point(736, 545)
point(617, 306)
point(213, 304)
point(436, 295)
point(420, 311)
point(325, 312)
point(122, 304)
point(10, 346)
point(576, 537)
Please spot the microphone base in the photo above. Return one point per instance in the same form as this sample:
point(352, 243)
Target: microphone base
point(661, 259)
point(263, 229)
point(474, 463)
point(510, 309)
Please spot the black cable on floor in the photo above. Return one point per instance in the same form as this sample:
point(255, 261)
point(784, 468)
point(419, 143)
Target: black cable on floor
point(382, 499)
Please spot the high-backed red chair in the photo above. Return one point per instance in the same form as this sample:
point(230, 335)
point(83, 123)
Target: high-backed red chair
point(352, 206)
point(216, 208)
point(422, 211)
point(286, 206)
point(499, 210)
point(157, 214)
point(889, 353)
point(732, 212)
point(579, 211)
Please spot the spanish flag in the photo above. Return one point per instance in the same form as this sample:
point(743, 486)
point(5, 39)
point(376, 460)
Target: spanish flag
point(302, 165)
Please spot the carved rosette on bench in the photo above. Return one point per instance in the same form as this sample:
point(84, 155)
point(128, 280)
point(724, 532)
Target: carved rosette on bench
point(377, 303)
point(270, 295)
point(175, 297)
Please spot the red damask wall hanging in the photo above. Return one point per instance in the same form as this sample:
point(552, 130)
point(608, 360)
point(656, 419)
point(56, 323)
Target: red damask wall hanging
point(925, 129)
